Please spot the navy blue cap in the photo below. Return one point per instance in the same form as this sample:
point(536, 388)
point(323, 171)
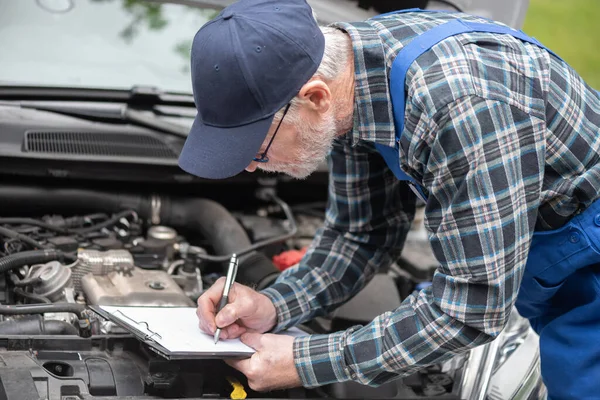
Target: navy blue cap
point(246, 64)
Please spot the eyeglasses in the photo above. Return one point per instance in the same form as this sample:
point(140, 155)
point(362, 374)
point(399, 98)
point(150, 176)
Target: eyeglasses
point(262, 158)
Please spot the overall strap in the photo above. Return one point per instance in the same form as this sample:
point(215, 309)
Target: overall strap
point(403, 61)
point(409, 10)
point(426, 41)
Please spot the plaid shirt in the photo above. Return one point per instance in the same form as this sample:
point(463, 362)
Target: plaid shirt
point(505, 139)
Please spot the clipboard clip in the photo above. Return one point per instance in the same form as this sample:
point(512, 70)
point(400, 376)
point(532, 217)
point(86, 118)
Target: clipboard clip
point(147, 336)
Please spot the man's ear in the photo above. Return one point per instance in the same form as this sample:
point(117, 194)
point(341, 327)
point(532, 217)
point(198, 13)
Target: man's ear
point(316, 95)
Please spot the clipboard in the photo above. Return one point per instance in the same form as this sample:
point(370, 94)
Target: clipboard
point(146, 334)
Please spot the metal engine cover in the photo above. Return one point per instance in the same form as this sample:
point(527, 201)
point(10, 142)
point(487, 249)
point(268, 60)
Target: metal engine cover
point(138, 287)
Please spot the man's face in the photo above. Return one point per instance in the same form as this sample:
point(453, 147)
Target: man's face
point(301, 144)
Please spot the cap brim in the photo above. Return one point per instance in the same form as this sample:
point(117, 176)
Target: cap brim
point(219, 153)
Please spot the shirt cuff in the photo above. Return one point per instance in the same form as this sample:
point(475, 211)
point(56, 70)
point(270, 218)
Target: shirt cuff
point(290, 304)
point(319, 359)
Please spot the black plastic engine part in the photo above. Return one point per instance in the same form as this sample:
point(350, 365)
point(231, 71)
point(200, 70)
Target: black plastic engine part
point(74, 308)
point(55, 374)
point(65, 244)
point(104, 368)
point(32, 222)
point(257, 265)
point(4, 294)
point(17, 260)
point(145, 260)
point(108, 243)
point(36, 325)
point(9, 233)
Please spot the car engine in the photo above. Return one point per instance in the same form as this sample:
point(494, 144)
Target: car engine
point(62, 250)
point(124, 259)
point(97, 259)
point(104, 269)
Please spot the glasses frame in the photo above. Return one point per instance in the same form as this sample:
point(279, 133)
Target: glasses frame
point(262, 158)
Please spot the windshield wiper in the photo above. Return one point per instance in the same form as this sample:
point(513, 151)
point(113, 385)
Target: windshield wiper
point(140, 102)
point(119, 113)
point(138, 117)
point(142, 96)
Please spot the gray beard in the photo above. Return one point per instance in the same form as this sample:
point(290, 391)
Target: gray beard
point(315, 144)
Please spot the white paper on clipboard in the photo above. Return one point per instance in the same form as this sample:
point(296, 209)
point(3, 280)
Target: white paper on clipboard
point(176, 330)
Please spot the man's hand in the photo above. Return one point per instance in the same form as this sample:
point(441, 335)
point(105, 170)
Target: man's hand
point(272, 366)
point(247, 310)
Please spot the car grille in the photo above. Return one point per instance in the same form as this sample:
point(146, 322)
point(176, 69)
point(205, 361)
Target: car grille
point(97, 144)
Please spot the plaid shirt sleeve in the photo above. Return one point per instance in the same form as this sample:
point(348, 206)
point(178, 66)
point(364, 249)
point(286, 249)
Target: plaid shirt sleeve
point(484, 168)
point(368, 216)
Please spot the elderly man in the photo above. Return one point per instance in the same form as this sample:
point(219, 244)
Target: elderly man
point(497, 134)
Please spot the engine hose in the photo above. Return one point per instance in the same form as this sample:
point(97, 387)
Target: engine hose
point(36, 325)
point(25, 282)
point(32, 222)
point(221, 228)
point(104, 224)
point(17, 260)
point(257, 270)
point(225, 235)
point(9, 233)
point(74, 308)
point(32, 296)
point(22, 200)
point(213, 221)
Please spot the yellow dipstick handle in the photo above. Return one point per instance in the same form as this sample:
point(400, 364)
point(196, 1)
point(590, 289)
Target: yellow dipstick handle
point(238, 389)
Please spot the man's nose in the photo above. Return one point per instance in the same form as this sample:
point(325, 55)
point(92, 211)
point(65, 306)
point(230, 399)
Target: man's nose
point(252, 166)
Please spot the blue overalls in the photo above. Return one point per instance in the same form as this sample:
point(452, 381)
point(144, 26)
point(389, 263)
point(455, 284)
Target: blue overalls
point(560, 290)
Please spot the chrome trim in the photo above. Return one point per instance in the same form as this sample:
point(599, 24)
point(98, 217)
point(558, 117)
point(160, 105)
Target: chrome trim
point(478, 371)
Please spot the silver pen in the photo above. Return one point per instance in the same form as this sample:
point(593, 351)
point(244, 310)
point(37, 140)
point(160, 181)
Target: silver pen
point(231, 273)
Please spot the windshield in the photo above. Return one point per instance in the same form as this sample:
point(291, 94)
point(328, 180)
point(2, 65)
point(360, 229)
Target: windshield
point(111, 44)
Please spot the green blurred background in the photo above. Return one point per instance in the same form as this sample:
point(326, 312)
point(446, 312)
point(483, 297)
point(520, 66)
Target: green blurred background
point(570, 28)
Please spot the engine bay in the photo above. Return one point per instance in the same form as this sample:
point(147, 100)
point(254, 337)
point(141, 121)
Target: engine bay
point(68, 262)
point(108, 248)
point(100, 260)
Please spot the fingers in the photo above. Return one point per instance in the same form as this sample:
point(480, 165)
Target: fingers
point(232, 331)
point(243, 365)
point(215, 292)
point(240, 306)
point(272, 365)
point(227, 316)
point(245, 308)
point(207, 306)
point(253, 340)
point(248, 367)
point(206, 315)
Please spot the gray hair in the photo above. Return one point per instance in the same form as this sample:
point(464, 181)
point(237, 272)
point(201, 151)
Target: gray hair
point(335, 59)
point(336, 53)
